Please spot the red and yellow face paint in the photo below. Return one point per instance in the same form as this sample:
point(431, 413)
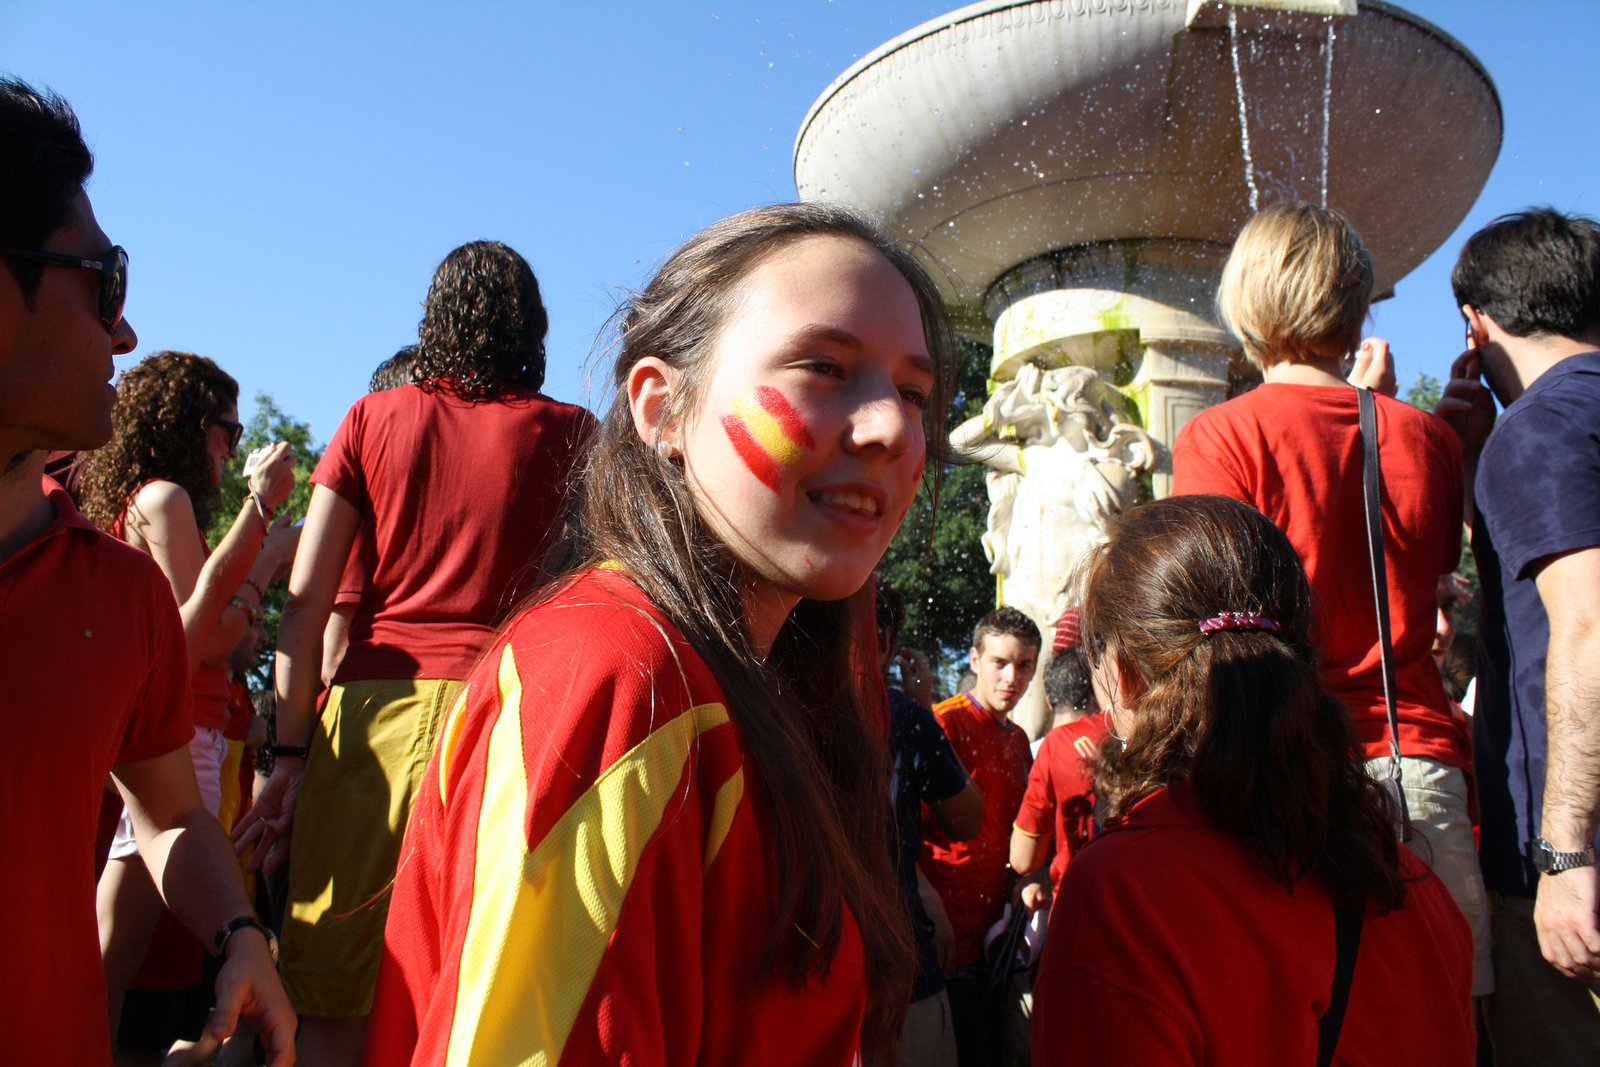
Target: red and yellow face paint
point(768, 433)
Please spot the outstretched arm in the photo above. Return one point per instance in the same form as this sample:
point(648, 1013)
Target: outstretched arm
point(330, 529)
point(1565, 912)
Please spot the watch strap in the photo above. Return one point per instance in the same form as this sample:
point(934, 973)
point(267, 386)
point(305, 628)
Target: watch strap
point(226, 931)
point(1548, 861)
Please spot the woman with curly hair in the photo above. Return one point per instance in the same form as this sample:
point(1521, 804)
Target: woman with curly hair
point(175, 426)
point(457, 484)
point(1247, 901)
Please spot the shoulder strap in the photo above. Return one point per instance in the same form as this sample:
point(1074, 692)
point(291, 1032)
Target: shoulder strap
point(1372, 479)
point(1347, 924)
point(1372, 484)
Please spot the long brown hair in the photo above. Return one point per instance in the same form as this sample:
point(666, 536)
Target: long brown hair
point(1275, 759)
point(164, 405)
point(803, 712)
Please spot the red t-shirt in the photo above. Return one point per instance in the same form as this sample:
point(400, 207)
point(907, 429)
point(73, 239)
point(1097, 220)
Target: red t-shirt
point(96, 673)
point(1294, 452)
point(973, 877)
point(1059, 804)
point(588, 871)
point(460, 501)
point(1169, 944)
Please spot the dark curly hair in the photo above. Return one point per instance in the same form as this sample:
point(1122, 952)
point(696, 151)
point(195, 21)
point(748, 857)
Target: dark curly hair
point(164, 405)
point(483, 326)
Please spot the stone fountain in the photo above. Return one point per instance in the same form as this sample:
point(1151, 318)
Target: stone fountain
point(1074, 171)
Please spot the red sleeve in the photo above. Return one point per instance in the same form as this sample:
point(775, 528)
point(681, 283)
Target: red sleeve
point(339, 468)
point(1449, 482)
point(1202, 461)
point(1036, 816)
point(161, 716)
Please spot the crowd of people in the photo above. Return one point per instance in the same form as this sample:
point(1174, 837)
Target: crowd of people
point(581, 746)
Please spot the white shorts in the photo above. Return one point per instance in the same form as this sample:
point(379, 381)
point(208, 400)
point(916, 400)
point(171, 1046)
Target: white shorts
point(207, 749)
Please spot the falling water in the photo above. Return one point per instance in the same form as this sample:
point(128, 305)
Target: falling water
point(1327, 97)
point(1244, 122)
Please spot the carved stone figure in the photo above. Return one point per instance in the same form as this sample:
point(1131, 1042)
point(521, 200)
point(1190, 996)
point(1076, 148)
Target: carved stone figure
point(1063, 459)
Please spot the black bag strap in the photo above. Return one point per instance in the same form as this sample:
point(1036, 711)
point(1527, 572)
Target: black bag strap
point(1347, 924)
point(1372, 479)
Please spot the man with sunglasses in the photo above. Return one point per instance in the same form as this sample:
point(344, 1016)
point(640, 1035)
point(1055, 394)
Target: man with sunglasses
point(91, 647)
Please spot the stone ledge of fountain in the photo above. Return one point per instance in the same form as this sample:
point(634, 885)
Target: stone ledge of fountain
point(1009, 130)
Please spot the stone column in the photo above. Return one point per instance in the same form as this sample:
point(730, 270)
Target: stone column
point(1140, 312)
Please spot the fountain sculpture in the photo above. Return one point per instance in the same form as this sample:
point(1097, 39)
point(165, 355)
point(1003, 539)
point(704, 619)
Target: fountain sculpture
point(1074, 171)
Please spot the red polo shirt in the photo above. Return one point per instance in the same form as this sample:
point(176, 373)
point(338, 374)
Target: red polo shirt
point(1169, 944)
point(96, 673)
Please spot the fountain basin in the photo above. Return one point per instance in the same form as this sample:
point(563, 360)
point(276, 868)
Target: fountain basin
point(1005, 131)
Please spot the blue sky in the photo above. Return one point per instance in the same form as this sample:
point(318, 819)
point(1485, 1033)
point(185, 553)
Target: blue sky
point(286, 176)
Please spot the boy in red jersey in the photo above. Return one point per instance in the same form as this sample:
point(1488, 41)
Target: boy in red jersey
point(972, 877)
point(91, 646)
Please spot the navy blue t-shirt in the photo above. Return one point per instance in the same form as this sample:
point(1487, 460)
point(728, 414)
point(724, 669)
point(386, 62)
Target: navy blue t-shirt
point(1537, 494)
point(925, 771)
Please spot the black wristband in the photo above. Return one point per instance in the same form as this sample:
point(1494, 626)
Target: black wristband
point(292, 751)
point(244, 922)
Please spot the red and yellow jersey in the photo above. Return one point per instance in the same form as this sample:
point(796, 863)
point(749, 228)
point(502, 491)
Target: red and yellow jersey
point(587, 873)
point(973, 877)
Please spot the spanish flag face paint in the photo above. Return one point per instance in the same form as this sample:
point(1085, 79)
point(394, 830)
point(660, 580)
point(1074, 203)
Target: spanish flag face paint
point(768, 434)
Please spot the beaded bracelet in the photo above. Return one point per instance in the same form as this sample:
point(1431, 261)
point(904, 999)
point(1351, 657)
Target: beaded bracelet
point(243, 605)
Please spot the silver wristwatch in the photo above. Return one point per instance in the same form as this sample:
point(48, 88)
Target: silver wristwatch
point(1547, 860)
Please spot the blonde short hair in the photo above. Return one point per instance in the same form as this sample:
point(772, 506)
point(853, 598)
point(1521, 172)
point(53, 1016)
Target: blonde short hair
point(1296, 285)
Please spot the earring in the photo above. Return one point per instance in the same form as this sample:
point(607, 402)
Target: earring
point(664, 450)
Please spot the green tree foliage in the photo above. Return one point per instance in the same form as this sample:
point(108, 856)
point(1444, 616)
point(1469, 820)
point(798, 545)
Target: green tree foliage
point(937, 560)
point(1424, 392)
point(269, 424)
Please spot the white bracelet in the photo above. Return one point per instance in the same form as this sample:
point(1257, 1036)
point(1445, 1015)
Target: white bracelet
point(261, 510)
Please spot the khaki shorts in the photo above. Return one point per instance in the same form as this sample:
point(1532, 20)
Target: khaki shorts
point(1436, 799)
point(365, 766)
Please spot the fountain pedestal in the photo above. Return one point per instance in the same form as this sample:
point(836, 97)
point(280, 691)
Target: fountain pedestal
point(1139, 312)
point(1074, 171)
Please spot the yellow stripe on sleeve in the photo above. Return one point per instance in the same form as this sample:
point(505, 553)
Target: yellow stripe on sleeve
point(727, 806)
point(541, 920)
point(450, 737)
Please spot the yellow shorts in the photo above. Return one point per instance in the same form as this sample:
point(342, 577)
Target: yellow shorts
point(365, 766)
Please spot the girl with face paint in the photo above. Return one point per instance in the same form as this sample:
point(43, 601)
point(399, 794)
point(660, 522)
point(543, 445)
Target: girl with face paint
point(655, 822)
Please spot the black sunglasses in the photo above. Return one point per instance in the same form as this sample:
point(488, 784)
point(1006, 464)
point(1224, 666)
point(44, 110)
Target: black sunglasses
point(235, 431)
point(113, 270)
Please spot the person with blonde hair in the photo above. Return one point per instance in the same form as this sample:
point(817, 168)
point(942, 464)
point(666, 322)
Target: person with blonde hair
point(1295, 291)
